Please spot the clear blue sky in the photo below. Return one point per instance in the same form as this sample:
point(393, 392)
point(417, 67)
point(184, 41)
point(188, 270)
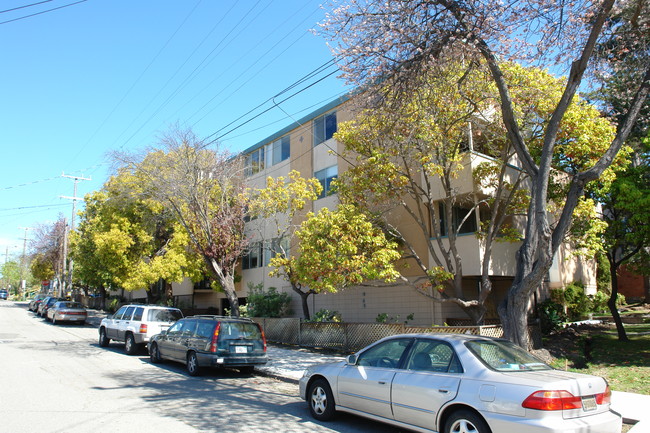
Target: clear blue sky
point(101, 75)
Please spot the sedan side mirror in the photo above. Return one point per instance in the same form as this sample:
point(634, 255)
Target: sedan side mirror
point(351, 359)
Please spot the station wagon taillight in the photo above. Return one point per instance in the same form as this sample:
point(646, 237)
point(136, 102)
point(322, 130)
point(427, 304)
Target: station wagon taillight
point(143, 328)
point(552, 400)
point(263, 337)
point(215, 338)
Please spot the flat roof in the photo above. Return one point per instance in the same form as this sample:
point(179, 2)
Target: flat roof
point(323, 109)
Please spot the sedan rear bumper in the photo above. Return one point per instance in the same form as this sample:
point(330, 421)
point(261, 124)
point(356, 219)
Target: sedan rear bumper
point(605, 422)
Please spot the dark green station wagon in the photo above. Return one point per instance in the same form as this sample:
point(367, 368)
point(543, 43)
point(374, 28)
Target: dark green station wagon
point(211, 341)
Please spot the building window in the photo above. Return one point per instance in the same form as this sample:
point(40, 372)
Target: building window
point(325, 177)
point(278, 151)
point(253, 258)
point(324, 127)
point(458, 213)
point(254, 162)
point(273, 248)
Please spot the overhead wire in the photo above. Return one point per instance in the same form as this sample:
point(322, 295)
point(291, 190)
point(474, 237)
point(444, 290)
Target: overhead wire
point(247, 54)
point(311, 74)
point(25, 6)
point(137, 80)
point(168, 99)
point(42, 12)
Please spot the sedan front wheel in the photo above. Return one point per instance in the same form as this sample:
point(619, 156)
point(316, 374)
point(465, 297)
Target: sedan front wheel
point(321, 400)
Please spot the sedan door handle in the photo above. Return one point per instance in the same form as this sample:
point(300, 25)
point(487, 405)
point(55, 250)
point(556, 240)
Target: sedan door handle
point(381, 382)
point(443, 391)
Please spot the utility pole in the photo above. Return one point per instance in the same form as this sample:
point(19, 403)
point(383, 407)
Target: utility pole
point(74, 199)
point(21, 284)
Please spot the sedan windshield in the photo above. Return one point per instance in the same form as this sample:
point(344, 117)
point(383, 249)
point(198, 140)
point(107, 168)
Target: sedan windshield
point(502, 355)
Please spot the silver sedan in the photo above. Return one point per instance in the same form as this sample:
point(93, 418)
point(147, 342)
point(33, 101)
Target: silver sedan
point(67, 311)
point(459, 384)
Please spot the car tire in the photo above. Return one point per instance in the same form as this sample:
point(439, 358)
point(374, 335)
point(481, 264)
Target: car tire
point(321, 400)
point(192, 364)
point(130, 347)
point(103, 339)
point(154, 354)
point(465, 421)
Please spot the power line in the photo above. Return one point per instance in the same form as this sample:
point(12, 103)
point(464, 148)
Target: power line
point(192, 74)
point(137, 80)
point(311, 74)
point(42, 12)
point(26, 6)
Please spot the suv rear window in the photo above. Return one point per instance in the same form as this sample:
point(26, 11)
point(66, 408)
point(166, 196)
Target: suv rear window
point(235, 331)
point(160, 315)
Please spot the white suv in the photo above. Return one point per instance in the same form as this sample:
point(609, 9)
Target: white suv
point(136, 324)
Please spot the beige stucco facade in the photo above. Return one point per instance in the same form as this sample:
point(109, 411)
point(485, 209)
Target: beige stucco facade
point(364, 304)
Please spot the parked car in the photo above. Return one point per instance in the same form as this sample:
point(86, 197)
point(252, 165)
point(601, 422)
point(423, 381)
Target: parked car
point(36, 300)
point(459, 383)
point(136, 324)
point(211, 341)
point(47, 302)
point(67, 311)
point(4, 294)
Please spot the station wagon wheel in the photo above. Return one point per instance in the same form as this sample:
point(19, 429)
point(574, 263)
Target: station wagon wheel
point(154, 354)
point(103, 339)
point(465, 421)
point(321, 400)
point(129, 345)
point(193, 364)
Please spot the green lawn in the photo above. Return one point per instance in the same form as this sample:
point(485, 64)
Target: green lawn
point(625, 365)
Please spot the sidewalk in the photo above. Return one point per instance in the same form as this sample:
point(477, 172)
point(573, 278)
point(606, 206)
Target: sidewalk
point(288, 364)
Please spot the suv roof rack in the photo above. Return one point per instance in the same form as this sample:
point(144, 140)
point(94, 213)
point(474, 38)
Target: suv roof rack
point(214, 317)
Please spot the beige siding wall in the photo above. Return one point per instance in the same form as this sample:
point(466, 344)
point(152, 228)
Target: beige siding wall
point(364, 304)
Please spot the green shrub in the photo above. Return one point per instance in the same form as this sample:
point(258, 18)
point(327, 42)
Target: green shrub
point(267, 303)
point(326, 316)
point(599, 302)
point(385, 318)
point(577, 304)
point(551, 316)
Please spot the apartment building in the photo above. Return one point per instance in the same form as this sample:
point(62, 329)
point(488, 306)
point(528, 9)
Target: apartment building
point(307, 145)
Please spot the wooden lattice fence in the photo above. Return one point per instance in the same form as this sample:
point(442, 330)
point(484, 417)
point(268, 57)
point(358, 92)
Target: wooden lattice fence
point(350, 337)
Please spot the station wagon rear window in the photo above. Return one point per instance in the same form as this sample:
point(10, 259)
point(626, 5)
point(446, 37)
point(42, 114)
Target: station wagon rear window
point(236, 331)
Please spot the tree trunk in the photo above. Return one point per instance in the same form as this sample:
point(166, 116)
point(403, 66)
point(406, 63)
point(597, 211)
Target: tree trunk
point(227, 282)
point(514, 317)
point(304, 296)
point(228, 285)
point(622, 336)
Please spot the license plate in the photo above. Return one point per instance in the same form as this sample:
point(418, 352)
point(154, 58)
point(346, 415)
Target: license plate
point(241, 349)
point(589, 403)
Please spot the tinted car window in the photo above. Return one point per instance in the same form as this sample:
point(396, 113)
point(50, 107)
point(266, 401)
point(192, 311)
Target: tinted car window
point(188, 328)
point(118, 315)
point(236, 331)
point(387, 354)
point(128, 313)
point(160, 315)
point(205, 329)
point(138, 314)
point(431, 355)
point(503, 355)
point(176, 328)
